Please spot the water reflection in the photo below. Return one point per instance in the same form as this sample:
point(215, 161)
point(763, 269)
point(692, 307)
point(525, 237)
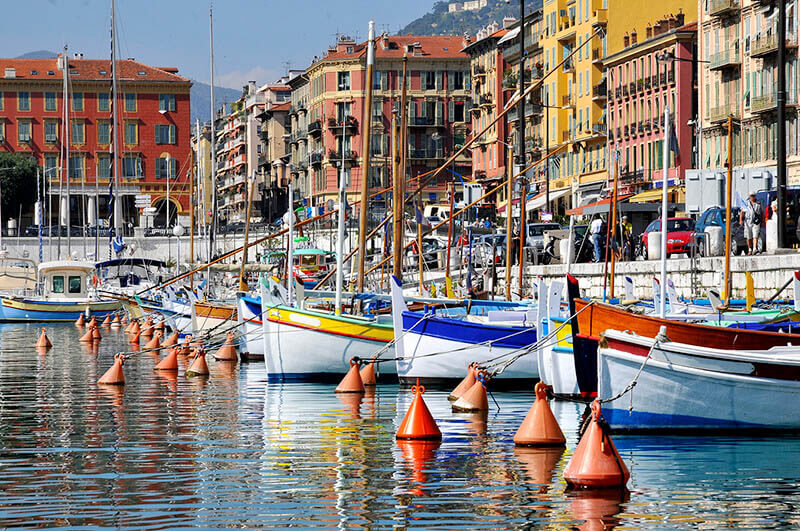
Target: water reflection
point(231, 450)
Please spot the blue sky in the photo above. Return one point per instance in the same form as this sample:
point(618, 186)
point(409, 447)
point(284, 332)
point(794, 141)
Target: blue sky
point(253, 39)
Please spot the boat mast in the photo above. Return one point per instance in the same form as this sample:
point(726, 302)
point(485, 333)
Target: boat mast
point(193, 200)
point(67, 139)
point(248, 197)
point(397, 203)
point(115, 210)
point(509, 195)
point(664, 204)
point(366, 158)
point(213, 230)
point(613, 226)
point(729, 185)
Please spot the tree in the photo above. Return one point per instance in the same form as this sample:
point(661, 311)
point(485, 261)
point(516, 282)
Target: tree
point(17, 182)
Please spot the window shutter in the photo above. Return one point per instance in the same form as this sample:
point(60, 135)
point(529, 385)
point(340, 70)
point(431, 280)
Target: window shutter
point(450, 80)
point(467, 81)
point(171, 134)
point(385, 142)
point(173, 168)
point(439, 80)
point(384, 80)
point(451, 110)
point(157, 133)
point(439, 112)
point(412, 110)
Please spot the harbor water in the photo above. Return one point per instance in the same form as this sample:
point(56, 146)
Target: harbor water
point(230, 450)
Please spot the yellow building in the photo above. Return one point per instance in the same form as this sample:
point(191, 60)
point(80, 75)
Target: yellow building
point(635, 16)
point(575, 95)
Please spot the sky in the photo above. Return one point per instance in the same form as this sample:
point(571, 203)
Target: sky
point(253, 39)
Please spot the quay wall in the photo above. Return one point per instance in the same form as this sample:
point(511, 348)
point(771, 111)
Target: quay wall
point(769, 272)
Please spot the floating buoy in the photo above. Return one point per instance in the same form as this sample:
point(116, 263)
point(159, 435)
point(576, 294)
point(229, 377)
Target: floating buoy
point(199, 367)
point(114, 375)
point(43, 341)
point(227, 352)
point(351, 383)
point(96, 332)
point(135, 328)
point(465, 385)
point(87, 337)
point(171, 341)
point(93, 321)
point(80, 322)
point(107, 320)
point(596, 463)
point(540, 427)
point(475, 398)
point(367, 373)
point(160, 326)
point(135, 339)
point(154, 343)
point(418, 422)
point(124, 319)
point(116, 322)
point(169, 363)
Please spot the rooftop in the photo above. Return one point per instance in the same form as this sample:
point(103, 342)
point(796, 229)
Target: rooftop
point(89, 70)
point(394, 47)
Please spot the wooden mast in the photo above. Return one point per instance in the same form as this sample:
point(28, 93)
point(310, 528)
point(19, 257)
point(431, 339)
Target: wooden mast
point(509, 194)
point(613, 226)
point(728, 191)
point(397, 203)
point(366, 158)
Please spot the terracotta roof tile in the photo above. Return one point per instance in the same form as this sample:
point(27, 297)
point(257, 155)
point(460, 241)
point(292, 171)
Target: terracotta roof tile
point(430, 46)
point(90, 70)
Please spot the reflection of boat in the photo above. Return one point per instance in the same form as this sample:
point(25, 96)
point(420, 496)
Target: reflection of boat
point(66, 296)
point(436, 348)
point(684, 386)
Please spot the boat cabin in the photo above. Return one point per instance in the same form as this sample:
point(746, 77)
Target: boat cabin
point(125, 272)
point(65, 278)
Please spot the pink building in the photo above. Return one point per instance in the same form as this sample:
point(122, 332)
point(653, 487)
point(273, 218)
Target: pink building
point(644, 78)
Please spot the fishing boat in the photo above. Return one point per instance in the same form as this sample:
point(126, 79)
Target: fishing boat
point(211, 315)
point(309, 345)
point(310, 266)
point(17, 275)
point(129, 275)
point(65, 295)
point(683, 386)
point(437, 349)
point(556, 355)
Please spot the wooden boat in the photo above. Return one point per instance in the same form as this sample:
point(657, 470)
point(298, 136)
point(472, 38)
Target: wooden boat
point(556, 355)
point(438, 348)
point(688, 387)
point(207, 315)
point(66, 296)
point(590, 319)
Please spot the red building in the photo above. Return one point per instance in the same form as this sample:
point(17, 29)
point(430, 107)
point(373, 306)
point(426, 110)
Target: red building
point(153, 131)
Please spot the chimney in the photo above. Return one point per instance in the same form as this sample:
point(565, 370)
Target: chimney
point(649, 31)
point(626, 41)
point(384, 40)
point(633, 37)
point(679, 18)
point(11, 73)
point(508, 22)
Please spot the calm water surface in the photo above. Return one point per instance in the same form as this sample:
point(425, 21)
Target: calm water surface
point(230, 451)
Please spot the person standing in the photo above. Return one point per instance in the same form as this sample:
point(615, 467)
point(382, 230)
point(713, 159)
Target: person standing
point(596, 230)
point(627, 237)
point(753, 214)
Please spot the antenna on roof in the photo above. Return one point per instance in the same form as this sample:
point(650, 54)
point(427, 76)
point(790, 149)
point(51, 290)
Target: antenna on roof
point(287, 65)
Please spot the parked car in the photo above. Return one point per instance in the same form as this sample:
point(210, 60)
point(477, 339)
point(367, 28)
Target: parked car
point(535, 234)
point(431, 247)
point(679, 236)
point(715, 217)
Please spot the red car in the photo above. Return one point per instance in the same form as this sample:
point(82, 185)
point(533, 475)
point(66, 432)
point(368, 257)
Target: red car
point(679, 235)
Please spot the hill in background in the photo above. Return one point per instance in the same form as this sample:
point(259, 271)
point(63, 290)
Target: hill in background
point(201, 100)
point(441, 22)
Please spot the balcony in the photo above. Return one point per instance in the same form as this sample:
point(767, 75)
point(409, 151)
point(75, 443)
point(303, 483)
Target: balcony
point(599, 92)
point(316, 157)
point(632, 88)
point(338, 127)
point(647, 85)
point(484, 100)
point(336, 155)
point(720, 114)
point(565, 136)
point(600, 17)
point(718, 8)
point(599, 129)
point(724, 59)
point(640, 85)
point(625, 91)
point(426, 153)
point(569, 66)
point(596, 58)
point(315, 128)
point(568, 101)
point(662, 78)
point(425, 121)
point(478, 71)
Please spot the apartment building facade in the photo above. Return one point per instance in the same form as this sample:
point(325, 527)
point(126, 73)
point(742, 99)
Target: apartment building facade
point(644, 77)
point(438, 84)
point(153, 132)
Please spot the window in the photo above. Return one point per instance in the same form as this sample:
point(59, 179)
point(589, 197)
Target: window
point(166, 102)
point(162, 168)
point(428, 80)
point(165, 134)
point(455, 80)
point(103, 133)
point(132, 166)
point(103, 101)
point(74, 284)
point(50, 132)
point(1, 101)
point(24, 101)
point(343, 80)
point(76, 167)
point(24, 132)
point(78, 133)
point(342, 111)
point(58, 284)
point(131, 132)
point(104, 166)
point(50, 101)
point(130, 102)
point(77, 101)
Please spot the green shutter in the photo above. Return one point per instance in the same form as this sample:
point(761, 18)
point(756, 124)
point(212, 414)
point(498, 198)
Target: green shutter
point(172, 134)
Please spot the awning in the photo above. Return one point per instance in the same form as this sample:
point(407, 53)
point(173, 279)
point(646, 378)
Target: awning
point(654, 195)
point(540, 201)
point(510, 35)
point(598, 207)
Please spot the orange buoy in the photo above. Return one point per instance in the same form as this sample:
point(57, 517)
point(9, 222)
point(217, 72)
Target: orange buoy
point(199, 367)
point(351, 383)
point(464, 386)
point(160, 326)
point(135, 328)
point(596, 463)
point(43, 340)
point(169, 363)
point(154, 343)
point(124, 319)
point(540, 427)
point(93, 321)
point(171, 341)
point(114, 375)
point(81, 321)
point(135, 339)
point(116, 322)
point(95, 332)
point(227, 352)
point(475, 398)
point(367, 373)
point(107, 320)
point(418, 422)
point(87, 337)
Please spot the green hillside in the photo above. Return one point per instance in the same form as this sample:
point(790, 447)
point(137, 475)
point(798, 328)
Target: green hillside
point(440, 22)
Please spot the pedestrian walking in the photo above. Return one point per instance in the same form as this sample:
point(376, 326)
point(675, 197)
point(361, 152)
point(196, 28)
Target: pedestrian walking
point(752, 215)
point(596, 230)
